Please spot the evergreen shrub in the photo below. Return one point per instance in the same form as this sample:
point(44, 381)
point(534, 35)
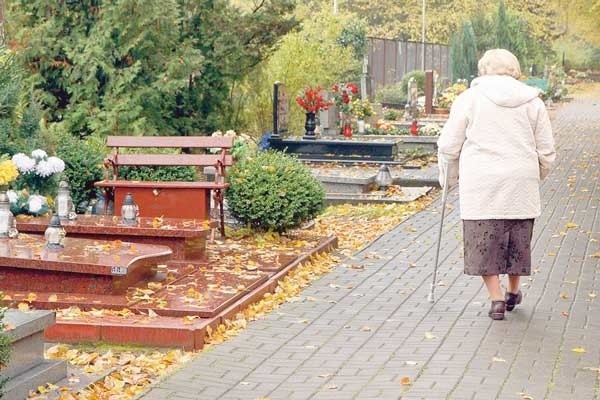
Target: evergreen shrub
point(5, 343)
point(273, 191)
point(83, 165)
point(392, 94)
point(166, 174)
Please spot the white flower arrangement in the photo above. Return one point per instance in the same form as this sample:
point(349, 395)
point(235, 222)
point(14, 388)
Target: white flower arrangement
point(431, 129)
point(37, 170)
point(39, 162)
point(35, 203)
point(22, 202)
point(39, 154)
point(23, 163)
point(12, 196)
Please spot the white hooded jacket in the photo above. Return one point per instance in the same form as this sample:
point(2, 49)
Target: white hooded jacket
point(499, 139)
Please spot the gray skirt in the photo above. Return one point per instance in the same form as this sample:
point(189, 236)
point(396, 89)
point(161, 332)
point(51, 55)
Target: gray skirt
point(498, 246)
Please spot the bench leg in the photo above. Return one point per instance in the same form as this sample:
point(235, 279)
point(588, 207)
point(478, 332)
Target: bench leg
point(222, 216)
point(218, 196)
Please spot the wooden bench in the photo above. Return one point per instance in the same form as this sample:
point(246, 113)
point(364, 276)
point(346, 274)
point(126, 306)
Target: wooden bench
point(169, 199)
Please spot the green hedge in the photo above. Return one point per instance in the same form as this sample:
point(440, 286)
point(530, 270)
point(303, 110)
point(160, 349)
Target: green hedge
point(273, 191)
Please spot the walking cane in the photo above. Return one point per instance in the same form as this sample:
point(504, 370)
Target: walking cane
point(431, 297)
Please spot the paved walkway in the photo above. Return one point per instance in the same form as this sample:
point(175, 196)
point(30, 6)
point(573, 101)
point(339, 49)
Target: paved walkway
point(361, 334)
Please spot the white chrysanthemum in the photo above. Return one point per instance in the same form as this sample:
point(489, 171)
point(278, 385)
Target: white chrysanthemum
point(44, 169)
point(217, 133)
point(39, 154)
point(12, 196)
point(56, 164)
point(23, 163)
point(230, 133)
point(35, 203)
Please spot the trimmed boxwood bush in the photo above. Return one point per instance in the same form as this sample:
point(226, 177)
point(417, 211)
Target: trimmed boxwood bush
point(273, 191)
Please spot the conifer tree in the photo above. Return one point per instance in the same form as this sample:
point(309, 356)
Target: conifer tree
point(132, 67)
point(464, 53)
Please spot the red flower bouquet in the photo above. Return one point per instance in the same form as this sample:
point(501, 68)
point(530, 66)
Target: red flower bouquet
point(312, 100)
point(343, 93)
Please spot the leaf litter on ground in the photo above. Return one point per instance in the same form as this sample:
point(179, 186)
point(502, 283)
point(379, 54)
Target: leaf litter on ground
point(131, 371)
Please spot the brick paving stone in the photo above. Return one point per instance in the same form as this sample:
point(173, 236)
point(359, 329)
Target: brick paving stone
point(359, 342)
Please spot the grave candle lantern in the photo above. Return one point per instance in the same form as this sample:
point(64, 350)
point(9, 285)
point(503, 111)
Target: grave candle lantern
point(7, 220)
point(129, 210)
point(64, 203)
point(384, 177)
point(55, 234)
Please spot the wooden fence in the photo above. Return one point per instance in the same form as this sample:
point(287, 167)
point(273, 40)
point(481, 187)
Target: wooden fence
point(390, 60)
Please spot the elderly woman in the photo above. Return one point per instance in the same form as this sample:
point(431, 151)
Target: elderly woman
point(498, 140)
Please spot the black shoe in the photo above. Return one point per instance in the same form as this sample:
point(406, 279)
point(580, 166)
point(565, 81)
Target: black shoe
point(497, 310)
point(512, 300)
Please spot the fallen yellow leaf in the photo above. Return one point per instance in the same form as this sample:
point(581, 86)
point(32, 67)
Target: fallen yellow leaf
point(189, 319)
point(564, 296)
point(8, 327)
point(405, 380)
point(429, 335)
point(571, 225)
point(578, 350)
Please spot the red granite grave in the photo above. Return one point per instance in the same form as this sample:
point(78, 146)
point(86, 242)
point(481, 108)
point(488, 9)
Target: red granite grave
point(185, 237)
point(173, 306)
point(83, 266)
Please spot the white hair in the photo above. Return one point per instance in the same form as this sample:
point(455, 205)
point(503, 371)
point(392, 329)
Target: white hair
point(499, 62)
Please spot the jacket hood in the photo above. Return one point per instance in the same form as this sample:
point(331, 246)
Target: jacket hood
point(504, 91)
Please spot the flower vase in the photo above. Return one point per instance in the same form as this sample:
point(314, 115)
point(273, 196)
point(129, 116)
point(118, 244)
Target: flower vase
point(310, 125)
point(361, 126)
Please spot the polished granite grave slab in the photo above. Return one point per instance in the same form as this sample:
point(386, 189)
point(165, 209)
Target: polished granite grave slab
point(381, 149)
point(82, 266)
point(185, 237)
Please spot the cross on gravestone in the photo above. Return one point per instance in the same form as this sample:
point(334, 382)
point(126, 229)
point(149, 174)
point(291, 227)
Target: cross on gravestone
point(281, 110)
